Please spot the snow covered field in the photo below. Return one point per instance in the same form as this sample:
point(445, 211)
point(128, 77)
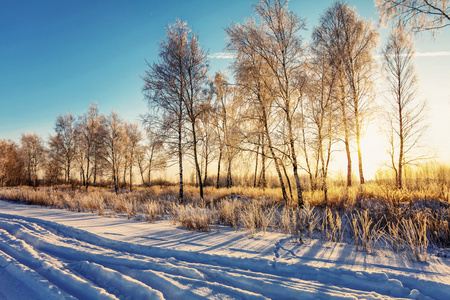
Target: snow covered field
point(55, 254)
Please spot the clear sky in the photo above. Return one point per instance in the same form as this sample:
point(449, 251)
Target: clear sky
point(59, 56)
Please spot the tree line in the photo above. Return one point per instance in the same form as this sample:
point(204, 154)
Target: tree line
point(91, 149)
point(288, 107)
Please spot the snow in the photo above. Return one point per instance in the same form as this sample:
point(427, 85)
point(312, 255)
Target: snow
point(56, 254)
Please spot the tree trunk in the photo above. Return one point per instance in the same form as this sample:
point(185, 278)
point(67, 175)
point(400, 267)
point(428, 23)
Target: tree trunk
point(400, 172)
point(360, 166)
point(218, 167)
point(131, 175)
point(349, 162)
point(142, 174)
point(180, 164)
point(325, 169)
point(277, 167)
point(229, 179)
point(115, 179)
point(295, 166)
point(68, 172)
point(280, 177)
point(263, 182)
point(400, 155)
point(124, 178)
point(82, 178)
point(197, 166)
point(87, 174)
point(287, 179)
point(206, 168)
point(30, 182)
point(358, 144)
point(95, 170)
point(256, 166)
point(347, 144)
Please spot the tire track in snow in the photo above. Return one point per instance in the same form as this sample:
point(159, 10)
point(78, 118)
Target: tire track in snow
point(51, 270)
point(20, 282)
point(134, 270)
point(115, 282)
point(111, 280)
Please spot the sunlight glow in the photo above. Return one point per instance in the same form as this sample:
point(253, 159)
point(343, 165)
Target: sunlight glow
point(373, 147)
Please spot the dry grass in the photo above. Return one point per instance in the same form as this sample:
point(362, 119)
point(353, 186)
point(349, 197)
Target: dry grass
point(228, 212)
point(371, 216)
point(194, 218)
point(366, 231)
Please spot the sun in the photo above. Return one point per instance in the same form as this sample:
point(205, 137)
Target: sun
point(373, 150)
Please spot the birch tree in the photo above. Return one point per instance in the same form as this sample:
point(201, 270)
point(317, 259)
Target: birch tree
point(276, 40)
point(207, 134)
point(62, 145)
point(253, 77)
point(114, 146)
point(195, 95)
point(164, 89)
point(89, 136)
point(134, 137)
point(419, 15)
point(174, 88)
point(322, 126)
point(151, 157)
point(351, 42)
point(33, 155)
point(221, 90)
point(405, 114)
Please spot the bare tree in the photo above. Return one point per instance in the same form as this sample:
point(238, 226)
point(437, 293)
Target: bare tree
point(420, 15)
point(11, 164)
point(328, 40)
point(62, 145)
point(405, 115)
point(320, 114)
point(276, 40)
point(253, 77)
point(165, 85)
point(134, 136)
point(141, 151)
point(351, 42)
point(124, 166)
point(99, 158)
point(221, 90)
point(52, 168)
point(33, 154)
point(207, 136)
point(195, 95)
point(151, 157)
point(114, 142)
point(232, 134)
point(226, 121)
point(89, 137)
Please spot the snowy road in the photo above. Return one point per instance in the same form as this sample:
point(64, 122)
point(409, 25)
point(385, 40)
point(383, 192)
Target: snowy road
point(56, 254)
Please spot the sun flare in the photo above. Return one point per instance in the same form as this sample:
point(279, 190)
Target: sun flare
point(373, 148)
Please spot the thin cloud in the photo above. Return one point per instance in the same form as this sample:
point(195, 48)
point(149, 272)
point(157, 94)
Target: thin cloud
point(433, 54)
point(228, 55)
point(423, 54)
point(222, 55)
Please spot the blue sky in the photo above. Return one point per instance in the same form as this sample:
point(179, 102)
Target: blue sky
point(59, 56)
